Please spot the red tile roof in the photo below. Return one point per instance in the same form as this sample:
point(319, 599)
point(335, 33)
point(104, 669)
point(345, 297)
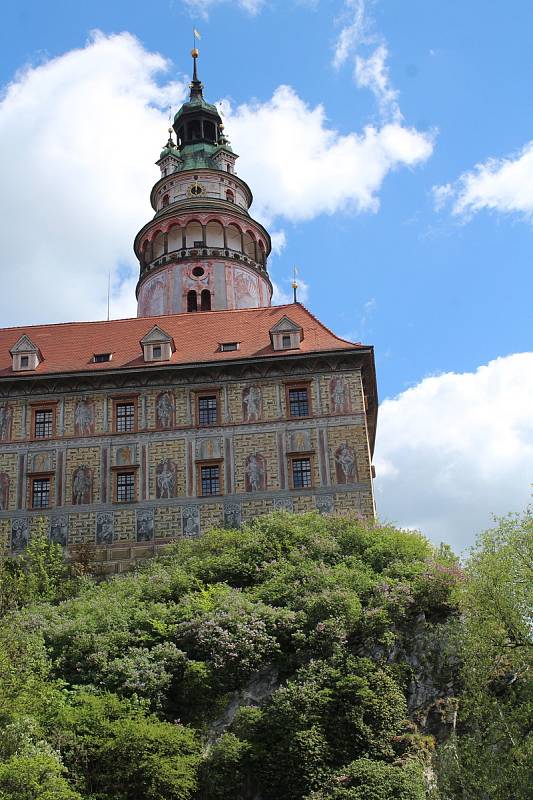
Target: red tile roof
point(70, 346)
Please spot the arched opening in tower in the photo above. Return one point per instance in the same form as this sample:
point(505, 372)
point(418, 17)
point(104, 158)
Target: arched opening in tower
point(205, 300)
point(192, 301)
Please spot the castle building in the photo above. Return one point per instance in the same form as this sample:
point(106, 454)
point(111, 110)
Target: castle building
point(210, 407)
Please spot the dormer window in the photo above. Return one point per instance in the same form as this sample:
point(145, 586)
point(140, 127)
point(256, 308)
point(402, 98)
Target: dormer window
point(228, 347)
point(25, 355)
point(157, 345)
point(101, 358)
point(286, 335)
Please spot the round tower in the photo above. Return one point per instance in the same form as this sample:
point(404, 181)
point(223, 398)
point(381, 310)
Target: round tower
point(202, 250)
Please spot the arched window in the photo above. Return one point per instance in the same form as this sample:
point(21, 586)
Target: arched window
point(195, 235)
point(214, 234)
point(159, 245)
point(165, 201)
point(228, 167)
point(249, 245)
point(205, 300)
point(192, 301)
point(230, 197)
point(234, 237)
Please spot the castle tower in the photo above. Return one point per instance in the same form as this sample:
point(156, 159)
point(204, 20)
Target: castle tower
point(202, 250)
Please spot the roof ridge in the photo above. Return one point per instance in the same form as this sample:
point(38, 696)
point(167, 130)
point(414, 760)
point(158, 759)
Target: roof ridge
point(132, 319)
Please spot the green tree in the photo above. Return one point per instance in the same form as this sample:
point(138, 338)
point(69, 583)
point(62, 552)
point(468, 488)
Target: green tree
point(491, 756)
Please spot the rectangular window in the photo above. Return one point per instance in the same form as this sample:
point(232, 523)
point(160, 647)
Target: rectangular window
point(24, 362)
point(207, 410)
point(286, 340)
point(101, 358)
point(299, 402)
point(156, 351)
point(40, 493)
point(125, 487)
point(125, 417)
point(301, 473)
point(227, 347)
point(43, 423)
point(210, 477)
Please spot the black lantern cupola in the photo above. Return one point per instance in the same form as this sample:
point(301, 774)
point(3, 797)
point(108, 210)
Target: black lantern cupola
point(197, 122)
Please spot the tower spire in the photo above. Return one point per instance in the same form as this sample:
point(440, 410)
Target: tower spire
point(196, 85)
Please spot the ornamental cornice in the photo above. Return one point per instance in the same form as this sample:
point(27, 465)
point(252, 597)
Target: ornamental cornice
point(284, 366)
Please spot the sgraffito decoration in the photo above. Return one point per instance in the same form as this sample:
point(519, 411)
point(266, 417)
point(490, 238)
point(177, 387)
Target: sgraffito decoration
point(105, 528)
point(345, 464)
point(144, 524)
point(4, 491)
point(190, 519)
point(20, 534)
point(84, 418)
point(255, 473)
point(325, 504)
point(59, 530)
point(164, 410)
point(339, 392)
point(252, 404)
point(166, 479)
point(6, 422)
point(283, 504)
point(232, 515)
point(82, 486)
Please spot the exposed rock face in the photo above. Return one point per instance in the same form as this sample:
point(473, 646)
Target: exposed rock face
point(259, 688)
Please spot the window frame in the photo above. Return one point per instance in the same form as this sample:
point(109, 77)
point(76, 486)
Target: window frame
point(204, 394)
point(301, 457)
point(38, 477)
point(298, 386)
point(200, 465)
point(39, 407)
point(116, 473)
point(127, 399)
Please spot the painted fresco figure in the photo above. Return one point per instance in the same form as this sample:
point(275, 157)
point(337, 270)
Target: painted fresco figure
point(164, 409)
point(20, 534)
point(166, 479)
point(340, 400)
point(84, 418)
point(232, 515)
point(105, 528)
point(6, 419)
point(82, 484)
point(255, 473)
point(252, 400)
point(345, 464)
point(4, 491)
point(145, 526)
point(191, 521)
point(59, 530)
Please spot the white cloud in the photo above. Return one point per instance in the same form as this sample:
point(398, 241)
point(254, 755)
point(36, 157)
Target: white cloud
point(373, 73)
point(355, 31)
point(78, 139)
point(203, 7)
point(499, 184)
point(306, 167)
point(457, 448)
point(371, 70)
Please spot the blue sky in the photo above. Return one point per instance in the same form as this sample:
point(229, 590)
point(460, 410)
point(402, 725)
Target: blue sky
point(438, 280)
